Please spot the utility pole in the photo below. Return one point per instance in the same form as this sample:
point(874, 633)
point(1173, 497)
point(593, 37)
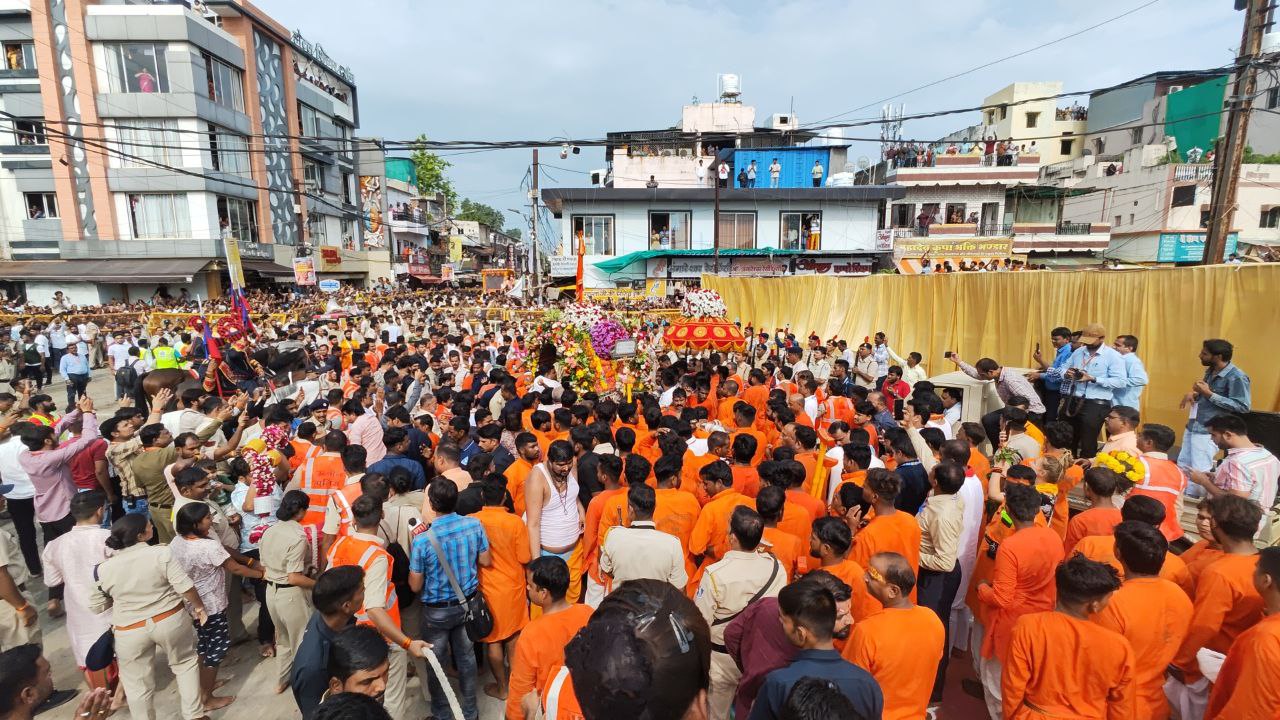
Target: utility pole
point(1230, 154)
point(715, 228)
point(533, 230)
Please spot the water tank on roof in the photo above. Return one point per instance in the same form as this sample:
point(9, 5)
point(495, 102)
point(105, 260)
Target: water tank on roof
point(730, 87)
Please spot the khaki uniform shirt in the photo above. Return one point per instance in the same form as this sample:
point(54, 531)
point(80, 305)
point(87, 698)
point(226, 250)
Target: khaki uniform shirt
point(396, 514)
point(11, 558)
point(139, 583)
point(728, 585)
point(643, 551)
point(284, 550)
point(941, 521)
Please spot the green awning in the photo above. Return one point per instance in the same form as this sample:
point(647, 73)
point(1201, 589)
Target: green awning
point(618, 264)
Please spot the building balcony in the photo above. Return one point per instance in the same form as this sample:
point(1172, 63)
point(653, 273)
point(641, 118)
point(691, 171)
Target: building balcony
point(962, 170)
point(1197, 173)
point(1027, 236)
point(156, 248)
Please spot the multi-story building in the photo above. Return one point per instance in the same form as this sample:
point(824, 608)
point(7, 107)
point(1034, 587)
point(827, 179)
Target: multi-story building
point(655, 220)
point(151, 132)
point(1148, 170)
point(1027, 114)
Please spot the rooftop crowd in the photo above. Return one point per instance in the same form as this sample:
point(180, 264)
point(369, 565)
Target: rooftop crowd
point(806, 529)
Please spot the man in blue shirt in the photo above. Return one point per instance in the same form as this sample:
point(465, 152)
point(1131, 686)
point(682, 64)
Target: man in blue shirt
point(1135, 372)
point(1223, 389)
point(465, 548)
point(397, 441)
point(1060, 338)
point(808, 614)
point(1095, 371)
point(74, 369)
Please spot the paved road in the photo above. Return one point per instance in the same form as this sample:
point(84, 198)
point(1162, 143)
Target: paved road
point(256, 699)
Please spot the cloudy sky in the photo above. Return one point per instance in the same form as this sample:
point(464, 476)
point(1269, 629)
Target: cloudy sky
point(485, 70)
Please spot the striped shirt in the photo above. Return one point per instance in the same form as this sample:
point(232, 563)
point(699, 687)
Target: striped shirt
point(1253, 470)
point(462, 539)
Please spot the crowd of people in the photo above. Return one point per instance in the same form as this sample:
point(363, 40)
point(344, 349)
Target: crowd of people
point(803, 530)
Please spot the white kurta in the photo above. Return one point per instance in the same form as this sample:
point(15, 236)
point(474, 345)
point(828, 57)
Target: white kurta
point(70, 559)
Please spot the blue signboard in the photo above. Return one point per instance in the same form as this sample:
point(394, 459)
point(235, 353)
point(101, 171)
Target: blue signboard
point(330, 285)
point(1188, 247)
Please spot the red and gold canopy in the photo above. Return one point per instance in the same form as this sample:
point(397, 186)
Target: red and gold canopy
point(704, 334)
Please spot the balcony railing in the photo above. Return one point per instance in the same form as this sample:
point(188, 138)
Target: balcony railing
point(415, 216)
point(941, 159)
point(1194, 173)
point(1074, 228)
point(957, 229)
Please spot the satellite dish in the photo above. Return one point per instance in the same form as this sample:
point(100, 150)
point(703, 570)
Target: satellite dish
point(863, 162)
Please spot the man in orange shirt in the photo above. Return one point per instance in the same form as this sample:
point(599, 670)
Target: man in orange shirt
point(830, 543)
point(528, 452)
point(1226, 602)
point(855, 465)
point(717, 450)
point(797, 519)
point(902, 644)
point(1150, 612)
point(1061, 665)
point(609, 473)
point(1022, 582)
point(744, 420)
point(676, 511)
point(1206, 550)
point(727, 396)
point(757, 392)
point(1102, 515)
point(784, 546)
point(502, 582)
point(710, 538)
point(541, 644)
point(796, 472)
point(817, 466)
point(613, 511)
point(1059, 439)
point(746, 479)
point(889, 529)
point(1248, 687)
point(1148, 511)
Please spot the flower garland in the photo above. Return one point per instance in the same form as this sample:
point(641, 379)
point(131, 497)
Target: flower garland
point(605, 334)
point(703, 303)
point(1124, 464)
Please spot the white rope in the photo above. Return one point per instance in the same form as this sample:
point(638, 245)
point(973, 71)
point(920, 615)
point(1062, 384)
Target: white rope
point(443, 681)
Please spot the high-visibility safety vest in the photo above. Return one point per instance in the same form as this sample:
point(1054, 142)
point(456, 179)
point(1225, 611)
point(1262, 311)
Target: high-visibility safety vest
point(319, 477)
point(302, 452)
point(362, 553)
point(1164, 482)
point(343, 499)
point(166, 357)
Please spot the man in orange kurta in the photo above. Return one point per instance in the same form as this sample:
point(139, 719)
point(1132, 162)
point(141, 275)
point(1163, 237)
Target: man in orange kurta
point(1248, 686)
point(710, 538)
point(1226, 602)
point(1022, 582)
point(676, 511)
point(744, 418)
point(690, 475)
point(796, 520)
point(889, 529)
point(1102, 515)
point(1147, 511)
point(528, 453)
point(503, 582)
point(900, 645)
point(1058, 664)
point(782, 545)
point(541, 644)
point(830, 544)
point(609, 472)
point(1150, 612)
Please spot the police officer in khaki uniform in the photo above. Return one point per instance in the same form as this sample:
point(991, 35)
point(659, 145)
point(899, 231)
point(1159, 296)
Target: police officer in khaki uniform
point(19, 622)
point(740, 578)
point(287, 560)
point(145, 589)
point(401, 523)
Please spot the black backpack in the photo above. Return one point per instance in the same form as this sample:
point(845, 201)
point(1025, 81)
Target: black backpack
point(127, 377)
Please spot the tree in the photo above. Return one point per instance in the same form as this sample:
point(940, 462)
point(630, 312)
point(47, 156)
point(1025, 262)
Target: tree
point(431, 170)
point(514, 232)
point(481, 213)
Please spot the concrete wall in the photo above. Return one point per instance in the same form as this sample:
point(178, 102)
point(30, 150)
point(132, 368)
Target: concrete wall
point(718, 117)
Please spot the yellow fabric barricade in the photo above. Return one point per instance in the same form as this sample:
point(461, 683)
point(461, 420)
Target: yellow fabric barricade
point(1003, 315)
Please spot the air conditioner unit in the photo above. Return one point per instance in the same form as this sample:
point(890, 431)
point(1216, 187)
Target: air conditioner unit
point(1173, 89)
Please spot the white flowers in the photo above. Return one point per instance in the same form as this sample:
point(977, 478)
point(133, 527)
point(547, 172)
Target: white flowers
point(582, 315)
point(703, 304)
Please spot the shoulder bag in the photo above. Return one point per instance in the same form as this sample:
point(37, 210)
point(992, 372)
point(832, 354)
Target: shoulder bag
point(478, 620)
